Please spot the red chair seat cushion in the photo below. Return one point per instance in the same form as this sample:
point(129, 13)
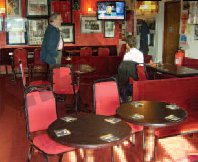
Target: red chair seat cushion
point(47, 145)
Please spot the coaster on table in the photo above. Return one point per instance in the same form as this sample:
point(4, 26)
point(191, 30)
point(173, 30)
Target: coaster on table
point(172, 107)
point(172, 118)
point(62, 132)
point(137, 116)
point(137, 104)
point(112, 120)
point(109, 138)
point(68, 118)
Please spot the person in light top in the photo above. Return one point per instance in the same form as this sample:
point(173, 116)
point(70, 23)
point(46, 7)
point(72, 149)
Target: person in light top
point(132, 53)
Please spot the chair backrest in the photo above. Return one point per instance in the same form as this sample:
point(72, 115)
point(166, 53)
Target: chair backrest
point(122, 50)
point(40, 110)
point(22, 74)
point(103, 51)
point(141, 72)
point(20, 54)
point(37, 60)
point(62, 81)
point(106, 97)
point(86, 51)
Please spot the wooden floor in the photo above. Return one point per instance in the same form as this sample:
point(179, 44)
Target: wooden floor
point(14, 145)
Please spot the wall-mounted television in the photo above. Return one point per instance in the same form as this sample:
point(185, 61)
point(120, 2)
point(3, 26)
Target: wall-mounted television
point(111, 10)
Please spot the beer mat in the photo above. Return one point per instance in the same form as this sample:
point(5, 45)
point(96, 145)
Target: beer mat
point(172, 118)
point(109, 138)
point(172, 107)
point(68, 118)
point(112, 120)
point(137, 104)
point(137, 116)
point(62, 132)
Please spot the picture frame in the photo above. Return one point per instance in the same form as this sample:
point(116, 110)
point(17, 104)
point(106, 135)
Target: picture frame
point(16, 24)
point(1, 23)
point(37, 8)
point(90, 24)
point(109, 29)
point(196, 32)
point(13, 7)
point(68, 32)
point(36, 30)
point(63, 7)
point(16, 38)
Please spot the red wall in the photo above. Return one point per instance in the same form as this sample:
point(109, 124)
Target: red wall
point(81, 39)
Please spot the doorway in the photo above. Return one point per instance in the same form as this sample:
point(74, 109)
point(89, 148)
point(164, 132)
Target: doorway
point(171, 31)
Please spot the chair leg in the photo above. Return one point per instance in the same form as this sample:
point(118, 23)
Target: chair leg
point(112, 154)
point(155, 148)
point(30, 153)
point(60, 158)
point(46, 157)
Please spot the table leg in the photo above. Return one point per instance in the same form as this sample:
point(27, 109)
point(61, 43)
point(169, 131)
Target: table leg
point(149, 144)
point(88, 155)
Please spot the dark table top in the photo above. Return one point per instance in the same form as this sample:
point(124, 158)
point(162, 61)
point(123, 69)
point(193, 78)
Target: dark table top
point(178, 71)
point(151, 113)
point(87, 129)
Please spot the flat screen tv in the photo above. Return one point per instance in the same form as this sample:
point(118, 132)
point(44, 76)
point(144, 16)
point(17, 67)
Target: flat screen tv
point(111, 10)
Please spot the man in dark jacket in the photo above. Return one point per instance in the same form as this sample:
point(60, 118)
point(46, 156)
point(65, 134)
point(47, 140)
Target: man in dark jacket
point(51, 50)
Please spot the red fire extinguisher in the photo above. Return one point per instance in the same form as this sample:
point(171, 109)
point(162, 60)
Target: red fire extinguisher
point(179, 56)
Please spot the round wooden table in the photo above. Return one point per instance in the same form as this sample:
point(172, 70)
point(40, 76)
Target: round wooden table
point(88, 131)
point(151, 114)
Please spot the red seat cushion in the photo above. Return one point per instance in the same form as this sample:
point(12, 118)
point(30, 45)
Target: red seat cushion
point(49, 146)
point(39, 82)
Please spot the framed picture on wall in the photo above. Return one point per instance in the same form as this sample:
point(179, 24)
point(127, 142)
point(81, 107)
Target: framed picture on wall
point(68, 32)
point(1, 24)
point(90, 24)
point(15, 24)
point(13, 7)
point(64, 7)
point(37, 8)
point(196, 32)
point(109, 29)
point(16, 38)
point(36, 30)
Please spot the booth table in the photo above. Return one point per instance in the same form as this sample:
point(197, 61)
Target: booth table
point(151, 115)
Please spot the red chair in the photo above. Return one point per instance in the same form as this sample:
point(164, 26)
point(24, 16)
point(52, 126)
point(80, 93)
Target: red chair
point(33, 83)
point(106, 99)
point(86, 51)
point(38, 104)
point(20, 55)
point(103, 51)
point(63, 83)
point(122, 50)
point(38, 67)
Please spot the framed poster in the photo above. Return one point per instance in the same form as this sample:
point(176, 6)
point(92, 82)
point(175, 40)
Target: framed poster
point(15, 24)
point(16, 38)
point(75, 4)
point(64, 7)
point(36, 31)
point(37, 8)
point(196, 32)
point(90, 24)
point(109, 29)
point(13, 7)
point(68, 33)
point(1, 23)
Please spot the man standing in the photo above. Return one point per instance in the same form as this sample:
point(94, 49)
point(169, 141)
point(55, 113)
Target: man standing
point(51, 50)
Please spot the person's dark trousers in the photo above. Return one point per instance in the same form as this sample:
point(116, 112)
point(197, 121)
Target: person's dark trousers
point(126, 91)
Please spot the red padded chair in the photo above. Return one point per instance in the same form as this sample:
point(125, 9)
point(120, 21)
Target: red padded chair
point(86, 51)
point(106, 99)
point(122, 50)
point(38, 67)
point(63, 83)
point(33, 83)
point(103, 51)
point(38, 104)
point(20, 55)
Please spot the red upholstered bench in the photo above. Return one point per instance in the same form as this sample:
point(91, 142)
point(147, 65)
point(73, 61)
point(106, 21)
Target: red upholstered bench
point(181, 91)
point(190, 62)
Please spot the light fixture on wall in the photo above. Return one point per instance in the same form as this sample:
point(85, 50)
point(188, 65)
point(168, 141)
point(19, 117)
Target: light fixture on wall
point(2, 6)
point(146, 8)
